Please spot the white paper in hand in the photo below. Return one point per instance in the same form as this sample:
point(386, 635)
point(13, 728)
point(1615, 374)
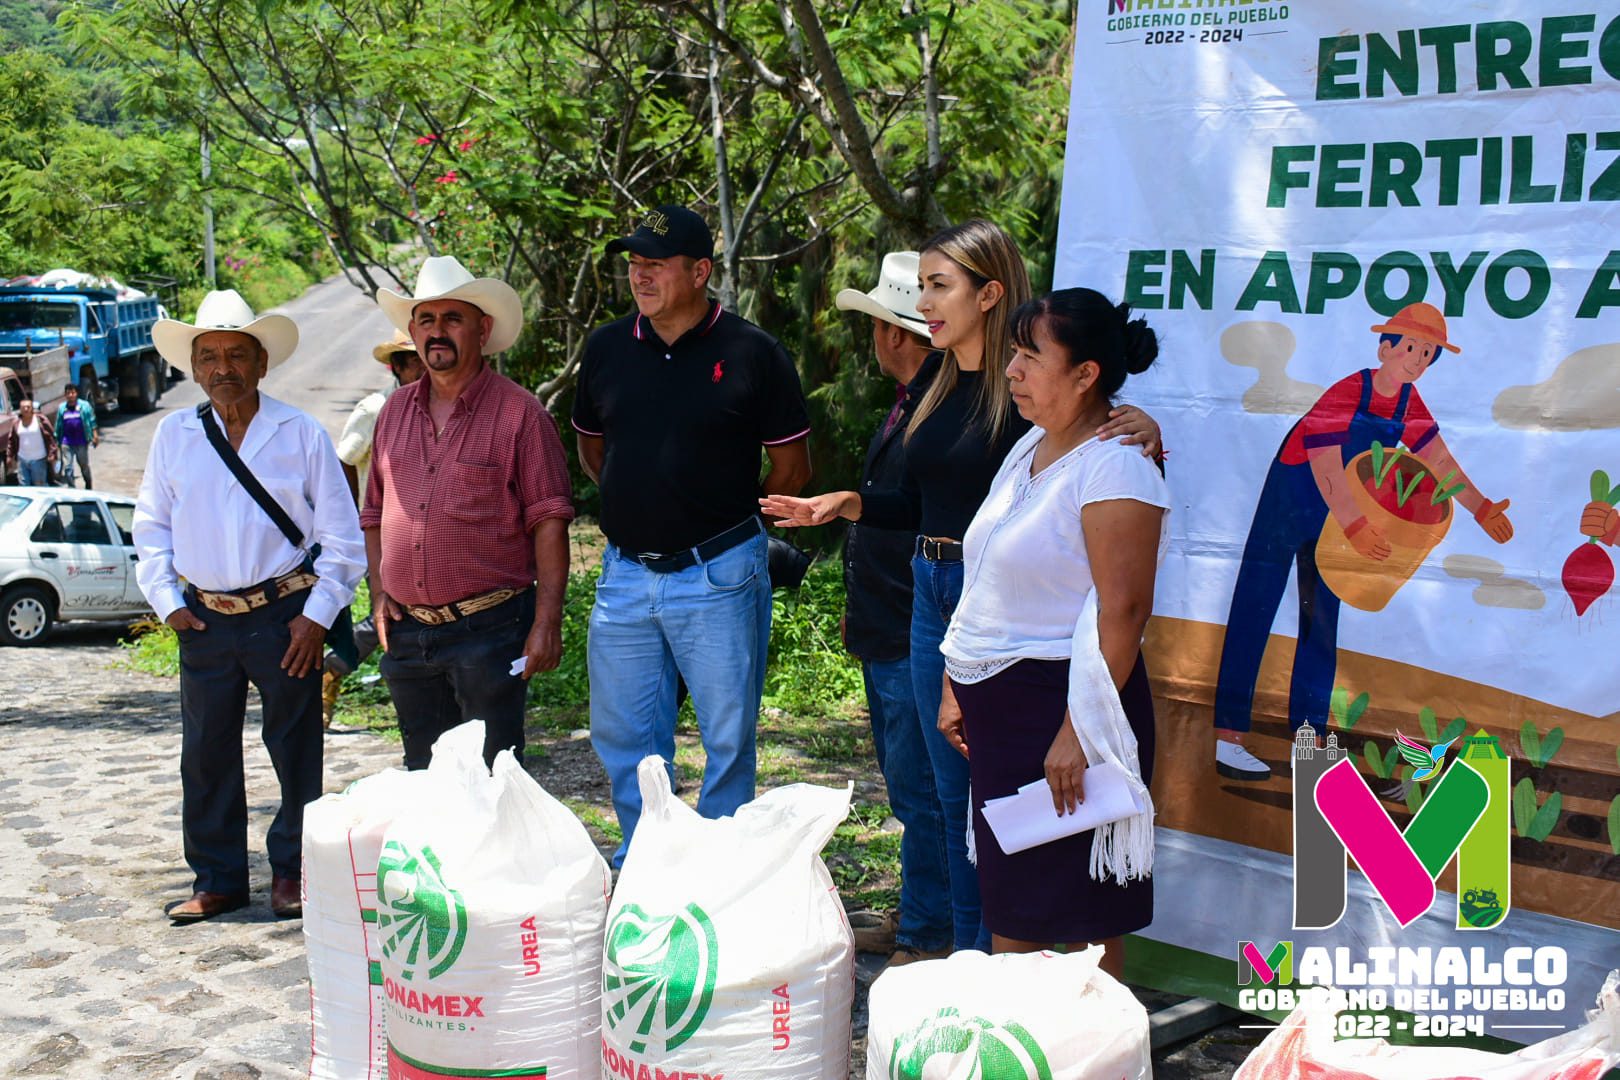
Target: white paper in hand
point(1028, 819)
point(519, 664)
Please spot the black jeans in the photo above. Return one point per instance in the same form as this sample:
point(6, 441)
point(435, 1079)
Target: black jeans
point(442, 676)
point(216, 666)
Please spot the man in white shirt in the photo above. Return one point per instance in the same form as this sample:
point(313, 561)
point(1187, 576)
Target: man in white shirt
point(255, 603)
point(32, 446)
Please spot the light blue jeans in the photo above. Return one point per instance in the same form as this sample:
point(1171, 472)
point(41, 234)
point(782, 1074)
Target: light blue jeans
point(33, 473)
point(937, 589)
point(712, 624)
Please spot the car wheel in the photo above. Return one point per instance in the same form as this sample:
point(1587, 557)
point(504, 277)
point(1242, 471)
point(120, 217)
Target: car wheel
point(25, 615)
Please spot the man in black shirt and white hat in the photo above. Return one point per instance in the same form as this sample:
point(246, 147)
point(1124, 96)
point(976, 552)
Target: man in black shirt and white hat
point(674, 405)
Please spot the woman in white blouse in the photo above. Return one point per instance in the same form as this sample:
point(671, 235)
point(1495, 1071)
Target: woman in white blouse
point(1060, 562)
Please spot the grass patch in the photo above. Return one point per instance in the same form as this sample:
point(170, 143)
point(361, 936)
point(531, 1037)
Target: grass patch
point(152, 648)
point(602, 825)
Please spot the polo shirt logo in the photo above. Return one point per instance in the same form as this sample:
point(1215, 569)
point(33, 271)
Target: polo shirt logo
point(719, 370)
point(658, 223)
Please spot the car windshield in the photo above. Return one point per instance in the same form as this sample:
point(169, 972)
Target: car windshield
point(38, 315)
point(10, 507)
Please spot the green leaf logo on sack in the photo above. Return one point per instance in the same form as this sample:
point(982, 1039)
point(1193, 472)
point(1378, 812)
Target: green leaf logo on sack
point(982, 1049)
point(658, 976)
point(421, 919)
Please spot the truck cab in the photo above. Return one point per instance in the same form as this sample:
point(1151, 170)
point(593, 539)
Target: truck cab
point(109, 341)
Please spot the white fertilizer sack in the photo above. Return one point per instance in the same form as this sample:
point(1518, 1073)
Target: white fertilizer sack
point(727, 951)
point(491, 903)
point(1035, 1016)
point(343, 835)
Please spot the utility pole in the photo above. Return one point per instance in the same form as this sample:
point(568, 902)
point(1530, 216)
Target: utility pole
point(208, 216)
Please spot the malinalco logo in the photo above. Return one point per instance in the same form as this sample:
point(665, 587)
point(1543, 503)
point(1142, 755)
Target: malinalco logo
point(422, 921)
point(658, 976)
point(971, 1046)
point(1465, 814)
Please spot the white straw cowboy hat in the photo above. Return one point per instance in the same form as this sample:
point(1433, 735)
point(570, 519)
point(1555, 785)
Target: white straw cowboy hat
point(225, 310)
point(442, 277)
point(895, 298)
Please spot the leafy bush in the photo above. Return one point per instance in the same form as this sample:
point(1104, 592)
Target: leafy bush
point(809, 671)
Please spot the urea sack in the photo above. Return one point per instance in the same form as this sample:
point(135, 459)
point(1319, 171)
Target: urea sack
point(1305, 1046)
point(343, 835)
point(727, 949)
point(1032, 1016)
point(490, 905)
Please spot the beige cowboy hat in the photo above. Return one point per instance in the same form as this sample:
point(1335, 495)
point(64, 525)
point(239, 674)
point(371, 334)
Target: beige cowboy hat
point(442, 277)
point(400, 342)
point(895, 298)
point(224, 309)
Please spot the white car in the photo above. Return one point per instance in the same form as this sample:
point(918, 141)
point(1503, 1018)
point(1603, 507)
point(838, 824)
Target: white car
point(65, 553)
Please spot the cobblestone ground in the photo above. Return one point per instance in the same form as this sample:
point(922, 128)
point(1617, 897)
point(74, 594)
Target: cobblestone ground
point(95, 981)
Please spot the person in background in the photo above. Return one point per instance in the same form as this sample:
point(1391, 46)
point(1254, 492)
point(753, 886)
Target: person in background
point(1060, 563)
point(76, 433)
point(877, 630)
point(677, 404)
point(354, 451)
point(971, 277)
point(248, 604)
point(466, 520)
point(31, 447)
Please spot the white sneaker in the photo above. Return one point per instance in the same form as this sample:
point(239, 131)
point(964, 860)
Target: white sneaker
point(1233, 761)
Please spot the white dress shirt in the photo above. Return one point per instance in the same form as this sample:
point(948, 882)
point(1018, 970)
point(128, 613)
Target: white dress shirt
point(1026, 573)
point(194, 521)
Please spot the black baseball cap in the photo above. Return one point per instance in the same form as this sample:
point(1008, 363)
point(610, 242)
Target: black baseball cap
point(667, 231)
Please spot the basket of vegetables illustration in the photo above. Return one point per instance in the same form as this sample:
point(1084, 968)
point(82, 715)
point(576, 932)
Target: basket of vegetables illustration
point(1403, 498)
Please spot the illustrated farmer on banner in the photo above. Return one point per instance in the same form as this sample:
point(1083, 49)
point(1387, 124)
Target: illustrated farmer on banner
point(1356, 512)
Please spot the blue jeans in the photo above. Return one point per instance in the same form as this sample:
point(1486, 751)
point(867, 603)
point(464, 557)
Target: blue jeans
point(925, 911)
point(33, 473)
point(937, 588)
point(712, 624)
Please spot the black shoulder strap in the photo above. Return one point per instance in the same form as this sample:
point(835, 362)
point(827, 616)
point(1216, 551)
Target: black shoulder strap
point(250, 484)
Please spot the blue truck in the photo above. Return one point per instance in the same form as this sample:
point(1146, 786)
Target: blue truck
point(109, 341)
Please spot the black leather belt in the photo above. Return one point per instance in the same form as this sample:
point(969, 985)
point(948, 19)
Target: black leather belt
point(711, 548)
point(939, 550)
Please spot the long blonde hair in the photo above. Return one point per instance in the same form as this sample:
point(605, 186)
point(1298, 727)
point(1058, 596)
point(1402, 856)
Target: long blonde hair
point(985, 251)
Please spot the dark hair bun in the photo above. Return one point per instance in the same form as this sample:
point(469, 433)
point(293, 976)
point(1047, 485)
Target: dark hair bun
point(1141, 343)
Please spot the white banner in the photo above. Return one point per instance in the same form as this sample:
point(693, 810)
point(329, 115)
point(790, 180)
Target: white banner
point(1380, 242)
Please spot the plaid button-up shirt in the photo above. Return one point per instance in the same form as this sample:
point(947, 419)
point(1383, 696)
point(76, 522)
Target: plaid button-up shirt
point(458, 508)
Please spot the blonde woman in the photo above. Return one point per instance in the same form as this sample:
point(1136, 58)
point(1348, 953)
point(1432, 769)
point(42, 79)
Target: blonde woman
point(971, 277)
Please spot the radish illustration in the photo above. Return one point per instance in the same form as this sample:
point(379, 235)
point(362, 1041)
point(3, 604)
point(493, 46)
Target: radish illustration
point(1589, 572)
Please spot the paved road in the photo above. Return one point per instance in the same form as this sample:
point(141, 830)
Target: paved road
point(332, 369)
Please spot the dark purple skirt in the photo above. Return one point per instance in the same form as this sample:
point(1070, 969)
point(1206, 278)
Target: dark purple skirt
point(1044, 894)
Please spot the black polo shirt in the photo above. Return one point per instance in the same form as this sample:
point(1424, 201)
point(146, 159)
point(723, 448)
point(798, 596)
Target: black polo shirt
point(683, 425)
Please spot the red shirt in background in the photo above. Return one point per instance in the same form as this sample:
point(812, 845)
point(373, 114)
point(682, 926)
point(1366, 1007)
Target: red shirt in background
point(458, 509)
point(1328, 421)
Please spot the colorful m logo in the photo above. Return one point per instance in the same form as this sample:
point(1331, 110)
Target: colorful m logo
point(1275, 967)
point(1118, 7)
point(1465, 815)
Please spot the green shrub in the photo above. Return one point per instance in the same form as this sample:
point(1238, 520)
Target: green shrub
point(809, 671)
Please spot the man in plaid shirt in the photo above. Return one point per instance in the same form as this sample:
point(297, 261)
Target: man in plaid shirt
point(466, 520)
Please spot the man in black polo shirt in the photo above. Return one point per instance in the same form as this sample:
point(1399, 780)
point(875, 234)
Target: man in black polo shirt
point(673, 405)
point(877, 623)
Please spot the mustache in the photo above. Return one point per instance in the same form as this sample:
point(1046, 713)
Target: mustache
point(439, 342)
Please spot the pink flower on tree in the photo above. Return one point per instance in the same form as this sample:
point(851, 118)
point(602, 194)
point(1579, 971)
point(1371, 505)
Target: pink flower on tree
point(426, 140)
point(448, 178)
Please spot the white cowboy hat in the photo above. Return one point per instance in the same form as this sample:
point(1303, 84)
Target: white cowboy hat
point(225, 309)
point(442, 277)
point(895, 298)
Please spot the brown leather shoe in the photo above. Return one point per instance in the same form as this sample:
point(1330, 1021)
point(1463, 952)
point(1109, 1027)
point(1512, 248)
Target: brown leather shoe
point(205, 905)
point(285, 900)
